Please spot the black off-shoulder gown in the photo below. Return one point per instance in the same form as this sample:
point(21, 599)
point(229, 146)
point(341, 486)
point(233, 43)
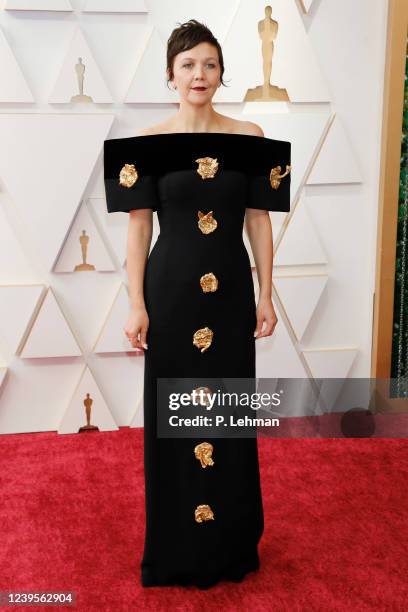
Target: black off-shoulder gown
point(178, 549)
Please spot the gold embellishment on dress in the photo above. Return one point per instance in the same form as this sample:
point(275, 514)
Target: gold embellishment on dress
point(202, 398)
point(203, 453)
point(206, 222)
point(128, 175)
point(203, 512)
point(209, 282)
point(275, 176)
point(207, 168)
point(202, 338)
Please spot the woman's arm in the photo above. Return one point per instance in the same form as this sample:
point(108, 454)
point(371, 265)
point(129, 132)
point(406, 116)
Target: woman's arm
point(259, 230)
point(140, 230)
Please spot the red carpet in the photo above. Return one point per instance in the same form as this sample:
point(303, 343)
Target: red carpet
point(335, 535)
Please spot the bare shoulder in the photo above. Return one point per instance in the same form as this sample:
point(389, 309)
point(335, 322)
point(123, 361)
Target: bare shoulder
point(252, 129)
point(249, 128)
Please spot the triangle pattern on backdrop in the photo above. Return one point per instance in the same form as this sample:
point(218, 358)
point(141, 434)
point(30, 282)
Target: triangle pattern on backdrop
point(79, 66)
point(87, 397)
point(300, 289)
point(300, 244)
point(84, 249)
point(276, 355)
point(16, 267)
point(3, 374)
point(55, 173)
point(13, 86)
point(144, 89)
point(336, 162)
point(42, 342)
point(18, 305)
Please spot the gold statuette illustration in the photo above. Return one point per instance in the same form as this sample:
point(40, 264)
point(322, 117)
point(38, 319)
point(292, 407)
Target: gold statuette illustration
point(268, 33)
point(80, 73)
point(206, 222)
point(203, 453)
point(202, 395)
point(202, 338)
point(275, 176)
point(207, 167)
point(128, 175)
point(88, 401)
point(84, 266)
point(209, 282)
point(203, 512)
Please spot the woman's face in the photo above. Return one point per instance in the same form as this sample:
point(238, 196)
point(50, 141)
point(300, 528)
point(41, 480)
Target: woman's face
point(197, 68)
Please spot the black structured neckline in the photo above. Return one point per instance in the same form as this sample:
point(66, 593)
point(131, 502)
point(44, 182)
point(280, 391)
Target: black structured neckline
point(172, 151)
point(147, 136)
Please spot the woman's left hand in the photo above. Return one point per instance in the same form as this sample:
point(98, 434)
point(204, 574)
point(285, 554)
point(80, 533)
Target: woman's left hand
point(265, 312)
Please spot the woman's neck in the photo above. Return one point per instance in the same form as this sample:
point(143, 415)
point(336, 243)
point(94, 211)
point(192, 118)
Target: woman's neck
point(193, 119)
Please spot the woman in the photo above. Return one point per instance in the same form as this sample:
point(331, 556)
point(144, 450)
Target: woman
point(193, 306)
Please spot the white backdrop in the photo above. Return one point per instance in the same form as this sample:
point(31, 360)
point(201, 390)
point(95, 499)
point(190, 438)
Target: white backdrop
point(61, 331)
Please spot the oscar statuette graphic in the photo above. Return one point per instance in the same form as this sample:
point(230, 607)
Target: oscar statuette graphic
point(268, 32)
point(88, 401)
point(84, 240)
point(80, 72)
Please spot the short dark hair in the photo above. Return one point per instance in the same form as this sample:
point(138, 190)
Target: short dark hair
point(187, 36)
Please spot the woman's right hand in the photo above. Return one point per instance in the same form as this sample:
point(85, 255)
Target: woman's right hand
point(137, 326)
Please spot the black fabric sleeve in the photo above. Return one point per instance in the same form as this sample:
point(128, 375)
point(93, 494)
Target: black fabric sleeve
point(142, 194)
point(261, 194)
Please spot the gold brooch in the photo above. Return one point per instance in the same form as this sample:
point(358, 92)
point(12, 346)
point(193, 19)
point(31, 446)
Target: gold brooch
point(202, 338)
point(206, 222)
point(203, 398)
point(128, 175)
point(275, 176)
point(203, 453)
point(203, 512)
point(207, 167)
point(209, 282)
